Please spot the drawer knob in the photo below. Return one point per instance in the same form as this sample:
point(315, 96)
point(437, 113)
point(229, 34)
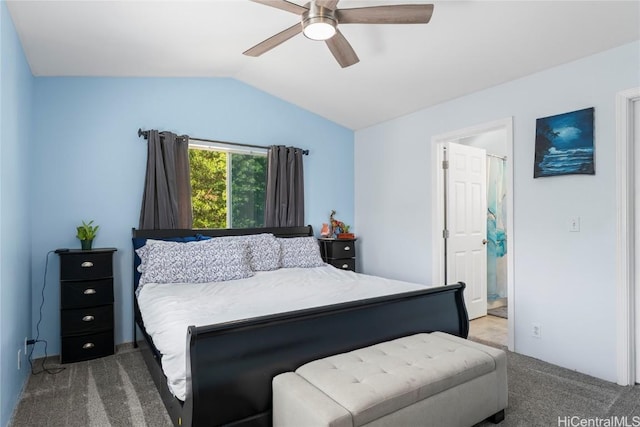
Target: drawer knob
point(88, 345)
point(345, 266)
point(89, 291)
point(347, 248)
point(88, 318)
point(86, 264)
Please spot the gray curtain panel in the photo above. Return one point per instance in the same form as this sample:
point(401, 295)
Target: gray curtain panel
point(285, 188)
point(166, 202)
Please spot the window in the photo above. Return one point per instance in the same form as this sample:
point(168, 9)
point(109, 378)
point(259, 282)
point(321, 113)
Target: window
point(228, 186)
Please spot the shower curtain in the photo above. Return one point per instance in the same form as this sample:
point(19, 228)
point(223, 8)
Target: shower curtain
point(496, 229)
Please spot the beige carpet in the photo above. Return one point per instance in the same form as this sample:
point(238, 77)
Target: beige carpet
point(118, 391)
point(543, 395)
point(110, 391)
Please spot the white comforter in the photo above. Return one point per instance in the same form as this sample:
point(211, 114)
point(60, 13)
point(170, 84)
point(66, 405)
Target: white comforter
point(168, 309)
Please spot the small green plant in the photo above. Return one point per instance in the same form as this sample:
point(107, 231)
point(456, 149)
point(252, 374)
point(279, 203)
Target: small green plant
point(87, 231)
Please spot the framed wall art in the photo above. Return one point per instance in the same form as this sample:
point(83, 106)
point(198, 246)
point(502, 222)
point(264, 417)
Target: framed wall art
point(564, 144)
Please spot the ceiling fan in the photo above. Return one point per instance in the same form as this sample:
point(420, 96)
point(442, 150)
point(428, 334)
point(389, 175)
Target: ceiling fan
point(320, 19)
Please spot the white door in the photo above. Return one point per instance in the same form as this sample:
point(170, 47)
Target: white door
point(466, 217)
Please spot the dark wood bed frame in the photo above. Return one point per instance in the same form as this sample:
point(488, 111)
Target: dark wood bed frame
point(230, 365)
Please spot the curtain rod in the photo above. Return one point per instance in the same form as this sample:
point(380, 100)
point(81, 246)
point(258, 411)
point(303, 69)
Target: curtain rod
point(497, 157)
point(145, 133)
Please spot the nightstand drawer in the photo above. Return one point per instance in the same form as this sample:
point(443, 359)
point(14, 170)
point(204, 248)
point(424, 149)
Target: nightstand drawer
point(86, 320)
point(344, 264)
point(83, 266)
point(86, 293)
point(75, 349)
point(341, 249)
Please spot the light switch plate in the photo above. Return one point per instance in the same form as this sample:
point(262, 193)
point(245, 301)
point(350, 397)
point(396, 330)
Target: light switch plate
point(574, 224)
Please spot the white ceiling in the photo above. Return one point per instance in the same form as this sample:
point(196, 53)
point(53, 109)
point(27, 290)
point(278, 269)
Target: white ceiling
point(467, 46)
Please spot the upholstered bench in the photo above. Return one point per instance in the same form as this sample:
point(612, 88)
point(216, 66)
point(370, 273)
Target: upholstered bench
point(431, 379)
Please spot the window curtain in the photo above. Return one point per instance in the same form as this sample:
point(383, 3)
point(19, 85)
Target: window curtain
point(166, 202)
point(284, 206)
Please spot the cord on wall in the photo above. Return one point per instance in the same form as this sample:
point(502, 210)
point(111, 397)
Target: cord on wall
point(37, 339)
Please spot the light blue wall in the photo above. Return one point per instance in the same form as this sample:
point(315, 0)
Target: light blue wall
point(88, 162)
point(564, 281)
point(16, 85)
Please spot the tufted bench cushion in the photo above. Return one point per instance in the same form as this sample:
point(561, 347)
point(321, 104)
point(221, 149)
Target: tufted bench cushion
point(376, 381)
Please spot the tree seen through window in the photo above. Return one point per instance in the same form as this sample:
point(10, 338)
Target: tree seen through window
point(228, 189)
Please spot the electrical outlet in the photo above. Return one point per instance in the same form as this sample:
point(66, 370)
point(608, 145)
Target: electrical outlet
point(19, 358)
point(27, 343)
point(536, 330)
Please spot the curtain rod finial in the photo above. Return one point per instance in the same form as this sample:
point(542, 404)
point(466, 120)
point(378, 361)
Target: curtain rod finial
point(142, 133)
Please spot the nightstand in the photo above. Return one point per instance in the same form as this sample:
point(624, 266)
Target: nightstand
point(86, 304)
point(341, 253)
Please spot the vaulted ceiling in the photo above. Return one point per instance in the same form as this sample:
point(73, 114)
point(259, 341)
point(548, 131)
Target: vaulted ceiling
point(467, 46)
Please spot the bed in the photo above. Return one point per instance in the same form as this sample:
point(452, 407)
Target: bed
point(230, 364)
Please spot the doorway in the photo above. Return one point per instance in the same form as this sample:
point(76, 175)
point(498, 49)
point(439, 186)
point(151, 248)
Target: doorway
point(627, 239)
point(491, 255)
point(636, 138)
point(635, 132)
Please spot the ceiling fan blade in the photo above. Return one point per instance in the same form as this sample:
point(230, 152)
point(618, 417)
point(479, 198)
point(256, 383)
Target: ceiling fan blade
point(284, 5)
point(274, 41)
point(329, 4)
point(342, 50)
point(397, 14)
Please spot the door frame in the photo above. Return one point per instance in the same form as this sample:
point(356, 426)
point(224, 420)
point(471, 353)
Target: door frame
point(437, 208)
point(625, 257)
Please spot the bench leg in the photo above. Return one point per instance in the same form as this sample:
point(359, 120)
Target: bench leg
point(496, 418)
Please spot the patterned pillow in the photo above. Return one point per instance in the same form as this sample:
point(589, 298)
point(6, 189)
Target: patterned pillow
point(300, 252)
point(143, 252)
point(141, 249)
point(194, 262)
point(264, 250)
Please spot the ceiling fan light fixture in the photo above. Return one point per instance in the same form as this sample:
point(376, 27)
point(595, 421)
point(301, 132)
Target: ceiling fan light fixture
point(318, 23)
point(319, 20)
point(319, 28)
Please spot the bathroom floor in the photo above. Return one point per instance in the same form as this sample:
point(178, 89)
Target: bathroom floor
point(490, 329)
point(499, 312)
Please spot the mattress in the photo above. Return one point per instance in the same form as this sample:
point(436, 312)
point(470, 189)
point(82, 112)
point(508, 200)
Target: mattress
point(169, 309)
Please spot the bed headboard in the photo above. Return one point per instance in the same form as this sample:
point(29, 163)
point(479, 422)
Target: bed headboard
point(214, 232)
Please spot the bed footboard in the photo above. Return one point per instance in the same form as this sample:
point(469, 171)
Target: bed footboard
point(230, 366)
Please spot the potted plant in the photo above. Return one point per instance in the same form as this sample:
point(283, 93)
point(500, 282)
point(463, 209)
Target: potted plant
point(86, 234)
point(344, 234)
